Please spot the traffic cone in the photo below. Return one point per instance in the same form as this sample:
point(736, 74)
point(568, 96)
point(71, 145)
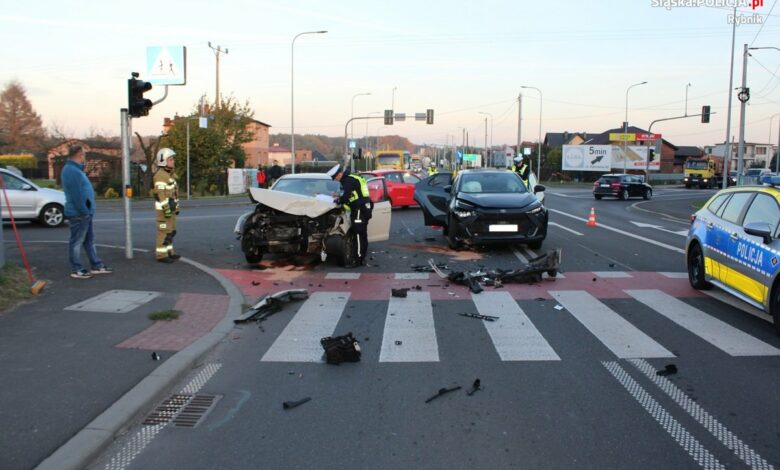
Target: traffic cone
point(591, 218)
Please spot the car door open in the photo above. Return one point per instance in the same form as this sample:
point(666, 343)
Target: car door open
point(379, 226)
point(433, 195)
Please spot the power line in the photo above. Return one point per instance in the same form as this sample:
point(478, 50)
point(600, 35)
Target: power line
point(762, 24)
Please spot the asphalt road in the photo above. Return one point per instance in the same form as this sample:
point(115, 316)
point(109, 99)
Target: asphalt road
point(568, 370)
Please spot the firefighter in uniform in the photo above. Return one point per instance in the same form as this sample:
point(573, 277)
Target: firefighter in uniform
point(521, 168)
point(355, 199)
point(166, 204)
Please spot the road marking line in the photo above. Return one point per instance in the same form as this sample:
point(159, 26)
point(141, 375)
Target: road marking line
point(622, 232)
point(519, 255)
point(671, 275)
point(412, 276)
point(710, 423)
point(617, 334)
point(692, 446)
point(716, 332)
point(530, 253)
point(351, 276)
point(612, 274)
point(514, 335)
point(565, 228)
point(406, 227)
point(146, 434)
point(317, 318)
point(410, 321)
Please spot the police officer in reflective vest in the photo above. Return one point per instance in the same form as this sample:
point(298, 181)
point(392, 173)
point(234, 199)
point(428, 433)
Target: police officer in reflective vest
point(521, 168)
point(432, 170)
point(166, 204)
point(354, 197)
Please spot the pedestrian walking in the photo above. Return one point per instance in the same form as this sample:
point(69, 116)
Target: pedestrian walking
point(79, 210)
point(354, 198)
point(166, 205)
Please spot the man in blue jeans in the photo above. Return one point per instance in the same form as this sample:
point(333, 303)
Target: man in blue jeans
point(79, 210)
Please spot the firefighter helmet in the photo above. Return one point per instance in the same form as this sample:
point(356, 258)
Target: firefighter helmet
point(163, 155)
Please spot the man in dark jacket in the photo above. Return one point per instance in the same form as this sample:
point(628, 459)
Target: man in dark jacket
point(275, 173)
point(79, 210)
point(354, 198)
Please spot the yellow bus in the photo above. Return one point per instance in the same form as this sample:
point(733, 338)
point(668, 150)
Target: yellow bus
point(393, 160)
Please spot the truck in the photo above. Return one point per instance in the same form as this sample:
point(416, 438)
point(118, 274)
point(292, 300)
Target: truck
point(703, 172)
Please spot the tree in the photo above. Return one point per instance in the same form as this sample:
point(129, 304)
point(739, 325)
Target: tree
point(150, 151)
point(21, 129)
point(215, 149)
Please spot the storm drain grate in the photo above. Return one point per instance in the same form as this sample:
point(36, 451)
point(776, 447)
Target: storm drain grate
point(195, 411)
point(167, 409)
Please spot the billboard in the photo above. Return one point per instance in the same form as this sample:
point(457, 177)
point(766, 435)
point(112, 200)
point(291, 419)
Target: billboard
point(603, 158)
point(586, 158)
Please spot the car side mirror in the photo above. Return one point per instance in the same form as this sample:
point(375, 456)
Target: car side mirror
point(760, 229)
point(447, 188)
point(27, 187)
point(539, 188)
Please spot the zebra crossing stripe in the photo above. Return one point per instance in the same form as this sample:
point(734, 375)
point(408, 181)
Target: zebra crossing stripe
point(617, 334)
point(420, 276)
point(350, 276)
point(726, 437)
point(409, 335)
point(716, 332)
point(684, 439)
point(300, 340)
point(514, 335)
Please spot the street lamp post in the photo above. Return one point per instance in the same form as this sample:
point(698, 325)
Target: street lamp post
point(539, 152)
point(292, 95)
point(625, 124)
point(492, 163)
point(352, 114)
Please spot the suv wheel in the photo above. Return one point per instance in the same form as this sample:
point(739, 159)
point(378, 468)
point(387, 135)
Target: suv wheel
point(774, 306)
point(648, 194)
point(597, 196)
point(452, 232)
point(624, 194)
point(696, 268)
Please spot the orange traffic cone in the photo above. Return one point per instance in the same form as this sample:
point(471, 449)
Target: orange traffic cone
point(591, 218)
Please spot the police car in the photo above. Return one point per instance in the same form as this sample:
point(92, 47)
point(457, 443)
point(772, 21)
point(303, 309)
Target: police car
point(734, 244)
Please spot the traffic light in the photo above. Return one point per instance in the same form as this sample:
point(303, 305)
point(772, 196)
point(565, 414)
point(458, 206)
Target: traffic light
point(388, 117)
point(137, 105)
point(705, 114)
point(429, 116)
point(360, 153)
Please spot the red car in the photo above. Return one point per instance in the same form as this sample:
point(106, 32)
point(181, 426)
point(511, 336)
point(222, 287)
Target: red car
point(400, 186)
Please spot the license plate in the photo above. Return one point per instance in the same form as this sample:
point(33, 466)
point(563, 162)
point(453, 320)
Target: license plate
point(503, 228)
point(604, 185)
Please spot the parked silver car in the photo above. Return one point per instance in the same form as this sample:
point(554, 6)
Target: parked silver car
point(31, 202)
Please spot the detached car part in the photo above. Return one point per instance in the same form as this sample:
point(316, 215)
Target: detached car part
point(269, 304)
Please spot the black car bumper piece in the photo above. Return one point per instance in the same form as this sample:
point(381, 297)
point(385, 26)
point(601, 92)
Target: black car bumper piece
point(487, 226)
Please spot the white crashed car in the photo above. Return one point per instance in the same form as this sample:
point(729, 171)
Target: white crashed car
point(30, 201)
point(297, 216)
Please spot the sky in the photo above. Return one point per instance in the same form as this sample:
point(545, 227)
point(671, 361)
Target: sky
point(456, 57)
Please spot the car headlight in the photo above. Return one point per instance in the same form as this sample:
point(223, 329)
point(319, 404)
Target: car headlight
point(536, 211)
point(462, 213)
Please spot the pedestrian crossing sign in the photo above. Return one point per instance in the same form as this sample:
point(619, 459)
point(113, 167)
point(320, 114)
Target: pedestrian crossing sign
point(166, 65)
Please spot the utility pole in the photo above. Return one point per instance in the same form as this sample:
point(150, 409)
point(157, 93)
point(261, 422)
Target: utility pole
point(686, 98)
point(727, 153)
point(743, 96)
point(124, 121)
point(217, 51)
point(519, 122)
point(486, 143)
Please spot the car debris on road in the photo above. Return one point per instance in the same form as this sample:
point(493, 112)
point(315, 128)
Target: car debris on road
point(288, 405)
point(338, 349)
point(443, 391)
point(530, 273)
point(479, 316)
point(269, 304)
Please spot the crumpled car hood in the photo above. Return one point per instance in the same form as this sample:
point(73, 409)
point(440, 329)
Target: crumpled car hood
point(292, 204)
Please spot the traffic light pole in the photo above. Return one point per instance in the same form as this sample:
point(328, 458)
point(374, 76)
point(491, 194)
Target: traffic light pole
point(127, 193)
point(346, 139)
point(650, 130)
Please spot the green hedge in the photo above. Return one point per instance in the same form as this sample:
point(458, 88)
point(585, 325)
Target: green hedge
point(22, 161)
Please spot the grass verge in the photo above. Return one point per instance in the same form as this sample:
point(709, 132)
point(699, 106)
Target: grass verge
point(164, 315)
point(14, 286)
point(697, 204)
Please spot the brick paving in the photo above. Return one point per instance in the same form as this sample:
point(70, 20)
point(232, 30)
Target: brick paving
point(199, 314)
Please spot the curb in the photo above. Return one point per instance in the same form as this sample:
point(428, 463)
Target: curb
point(83, 448)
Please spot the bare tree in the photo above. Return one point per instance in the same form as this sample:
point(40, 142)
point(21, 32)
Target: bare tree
point(150, 151)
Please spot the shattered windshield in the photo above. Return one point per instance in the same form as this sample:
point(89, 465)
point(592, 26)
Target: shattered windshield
point(307, 186)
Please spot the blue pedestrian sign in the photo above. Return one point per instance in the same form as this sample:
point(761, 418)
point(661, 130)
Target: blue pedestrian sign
point(166, 65)
point(352, 144)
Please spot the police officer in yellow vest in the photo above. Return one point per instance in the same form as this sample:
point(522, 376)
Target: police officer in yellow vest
point(354, 197)
point(166, 204)
point(432, 170)
point(521, 168)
